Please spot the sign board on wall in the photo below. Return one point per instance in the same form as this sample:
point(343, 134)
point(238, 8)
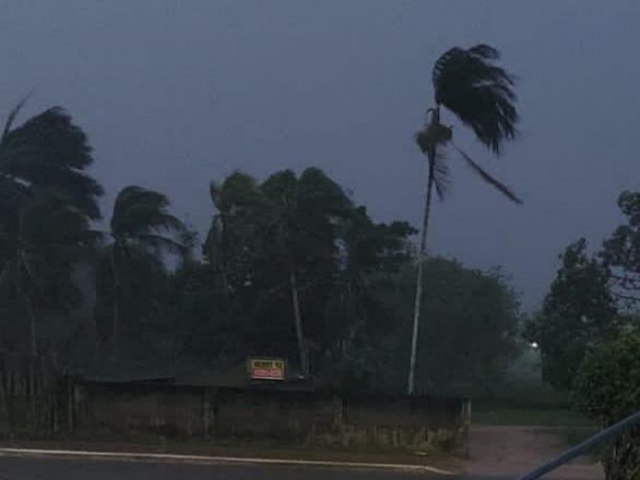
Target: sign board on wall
point(267, 369)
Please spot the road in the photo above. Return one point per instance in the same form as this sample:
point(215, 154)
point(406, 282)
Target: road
point(15, 468)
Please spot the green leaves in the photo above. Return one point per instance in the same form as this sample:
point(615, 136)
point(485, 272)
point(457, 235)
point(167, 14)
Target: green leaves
point(469, 332)
point(579, 314)
point(488, 178)
point(621, 251)
point(480, 94)
point(305, 224)
point(304, 212)
point(608, 386)
point(608, 389)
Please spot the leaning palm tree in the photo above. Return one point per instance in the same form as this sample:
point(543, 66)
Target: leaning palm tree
point(49, 151)
point(142, 231)
point(46, 203)
point(50, 238)
point(480, 94)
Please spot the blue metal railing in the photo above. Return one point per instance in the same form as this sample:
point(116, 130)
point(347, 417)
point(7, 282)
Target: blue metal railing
point(594, 441)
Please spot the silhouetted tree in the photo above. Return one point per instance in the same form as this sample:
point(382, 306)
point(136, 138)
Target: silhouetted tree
point(480, 94)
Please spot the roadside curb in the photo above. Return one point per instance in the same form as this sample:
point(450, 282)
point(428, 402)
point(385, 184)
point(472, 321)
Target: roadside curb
point(203, 459)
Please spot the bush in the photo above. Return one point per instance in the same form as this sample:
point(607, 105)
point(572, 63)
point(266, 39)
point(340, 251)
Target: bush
point(608, 389)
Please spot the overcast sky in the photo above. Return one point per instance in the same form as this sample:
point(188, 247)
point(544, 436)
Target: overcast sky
point(175, 93)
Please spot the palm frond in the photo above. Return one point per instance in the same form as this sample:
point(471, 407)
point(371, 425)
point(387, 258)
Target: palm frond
point(140, 217)
point(214, 193)
point(138, 210)
point(133, 195)
point(485, 51)
point(160, 244)
point(49, 150)
point(140, 259)
point(441, 176)
point(479, 93)
point(12, 116)
point(501, 187)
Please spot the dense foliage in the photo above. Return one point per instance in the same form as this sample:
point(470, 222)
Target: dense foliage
point(608, 390)
point(621, 252)
point(588, 337)
point(578, 314)
point(291, 267)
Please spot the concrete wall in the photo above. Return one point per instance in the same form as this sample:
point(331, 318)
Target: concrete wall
point(164, 412)
point(417, 423)
point(37, 404)
point(33, 400)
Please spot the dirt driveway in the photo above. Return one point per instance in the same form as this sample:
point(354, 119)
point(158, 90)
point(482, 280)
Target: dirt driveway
point(512, 451)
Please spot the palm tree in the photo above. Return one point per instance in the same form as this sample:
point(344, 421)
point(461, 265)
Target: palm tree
point(50, 239)
point(46, 203)
point(142, 231)
point(480, 94)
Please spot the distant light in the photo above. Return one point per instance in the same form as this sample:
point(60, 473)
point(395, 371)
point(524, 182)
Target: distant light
point(534, 345)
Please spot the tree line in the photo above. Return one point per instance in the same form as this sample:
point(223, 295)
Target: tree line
point(293, 267)
point(290, 266)
point(588, 333)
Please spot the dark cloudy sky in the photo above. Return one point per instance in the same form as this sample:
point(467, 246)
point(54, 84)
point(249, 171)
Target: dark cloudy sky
point(176, 93)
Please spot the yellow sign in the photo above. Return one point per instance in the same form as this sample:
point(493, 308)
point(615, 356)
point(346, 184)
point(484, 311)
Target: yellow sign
point(266, 369)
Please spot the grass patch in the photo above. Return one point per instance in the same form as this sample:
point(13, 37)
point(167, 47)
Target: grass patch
point(525, 402)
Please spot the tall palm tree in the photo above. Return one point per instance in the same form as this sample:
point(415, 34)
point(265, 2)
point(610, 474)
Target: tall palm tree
point(480, 94)
point(46, 203)
point(50, 239)
point(142, 231)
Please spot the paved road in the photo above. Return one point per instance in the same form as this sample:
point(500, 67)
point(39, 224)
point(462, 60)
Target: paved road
point(59, 469)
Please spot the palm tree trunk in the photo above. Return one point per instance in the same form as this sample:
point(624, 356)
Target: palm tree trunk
point(293, 283)
point(115, 320)
point(28, 307)
point(431, 157)
point(32, 326)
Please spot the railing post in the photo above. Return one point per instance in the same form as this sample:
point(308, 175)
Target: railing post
point(587, 445)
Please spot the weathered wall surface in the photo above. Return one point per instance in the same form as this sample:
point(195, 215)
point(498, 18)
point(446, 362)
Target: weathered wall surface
point(33, 401)
point(166, 412)
point(35, 404)
point(417, 423)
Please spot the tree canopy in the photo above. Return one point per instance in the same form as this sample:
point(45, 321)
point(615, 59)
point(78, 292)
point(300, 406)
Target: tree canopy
point(608, 390)
point(579, 313)
point(291, 267)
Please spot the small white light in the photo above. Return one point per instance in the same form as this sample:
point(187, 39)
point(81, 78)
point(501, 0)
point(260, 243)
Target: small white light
point(534, 345)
